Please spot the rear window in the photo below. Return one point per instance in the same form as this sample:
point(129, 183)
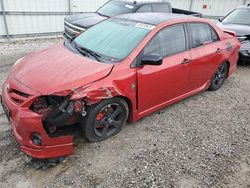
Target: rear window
point(161, 7)
point(145, 8)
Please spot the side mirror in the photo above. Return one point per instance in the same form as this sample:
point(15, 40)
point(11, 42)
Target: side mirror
point(152, 59)
point(220, 19)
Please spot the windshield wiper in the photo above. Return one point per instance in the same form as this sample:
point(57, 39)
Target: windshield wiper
point(92, 53)
point(85, 51)
point(103, 15)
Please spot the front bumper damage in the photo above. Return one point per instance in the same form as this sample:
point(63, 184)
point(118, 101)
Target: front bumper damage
point(27, 124)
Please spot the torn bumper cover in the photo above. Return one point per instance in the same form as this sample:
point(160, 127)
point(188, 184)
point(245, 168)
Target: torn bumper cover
point(29, 132)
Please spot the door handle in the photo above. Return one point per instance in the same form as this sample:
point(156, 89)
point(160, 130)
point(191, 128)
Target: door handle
point(218, 50)
point(186, 61)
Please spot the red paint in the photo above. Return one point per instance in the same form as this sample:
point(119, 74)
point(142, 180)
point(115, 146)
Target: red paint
point(100, 116)
point(58, 71)
point(205, 6)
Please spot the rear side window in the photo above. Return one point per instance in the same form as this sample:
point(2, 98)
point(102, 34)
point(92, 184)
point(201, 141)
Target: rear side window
point(161, 7)
point(145, 8)
point(201, 34)
point(168, 41)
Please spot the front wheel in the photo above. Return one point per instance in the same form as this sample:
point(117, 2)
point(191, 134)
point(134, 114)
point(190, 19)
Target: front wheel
point(219, 77)
point(105, 119)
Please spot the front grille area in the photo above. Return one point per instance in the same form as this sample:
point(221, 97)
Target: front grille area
point(17, 96)
point(72, 31)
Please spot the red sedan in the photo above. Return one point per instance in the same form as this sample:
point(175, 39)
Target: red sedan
point(120, 70)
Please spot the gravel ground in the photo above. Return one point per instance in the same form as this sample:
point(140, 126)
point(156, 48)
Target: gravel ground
point(202, 141)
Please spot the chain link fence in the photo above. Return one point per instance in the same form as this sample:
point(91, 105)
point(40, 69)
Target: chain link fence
point(24, 18)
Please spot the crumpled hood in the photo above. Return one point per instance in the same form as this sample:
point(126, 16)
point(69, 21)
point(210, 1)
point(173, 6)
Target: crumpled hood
point(85, 20)
point(241, 30)
point(57, 69)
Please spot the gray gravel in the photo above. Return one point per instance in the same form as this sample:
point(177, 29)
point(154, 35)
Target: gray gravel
point(202, 141)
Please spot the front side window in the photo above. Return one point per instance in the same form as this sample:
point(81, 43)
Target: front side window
point(201, 33)
point(115, 38)
point(239, 16)
point(114, 8)
point(168, 41)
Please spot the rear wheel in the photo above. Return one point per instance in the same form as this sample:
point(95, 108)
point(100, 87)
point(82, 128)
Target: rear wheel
point(219, 77)
point(105, 119)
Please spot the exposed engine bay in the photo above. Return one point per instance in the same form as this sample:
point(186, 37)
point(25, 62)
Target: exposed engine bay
point(58, 112)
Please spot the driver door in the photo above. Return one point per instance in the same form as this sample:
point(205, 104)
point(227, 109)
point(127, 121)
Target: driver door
point(158, 85)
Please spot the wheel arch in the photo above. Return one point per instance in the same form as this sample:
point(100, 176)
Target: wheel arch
point(229, 65)
point(130, 106)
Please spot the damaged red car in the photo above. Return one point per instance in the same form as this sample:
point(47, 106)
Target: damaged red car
point(120, 70)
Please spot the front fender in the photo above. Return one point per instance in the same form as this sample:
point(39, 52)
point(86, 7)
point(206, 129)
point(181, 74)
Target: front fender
point(121, 83)
point(93, 96)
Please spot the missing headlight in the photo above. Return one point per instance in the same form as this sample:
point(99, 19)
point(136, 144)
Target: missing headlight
point(58, 112)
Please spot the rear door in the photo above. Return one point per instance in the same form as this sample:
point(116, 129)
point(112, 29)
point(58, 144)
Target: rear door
point(159, 84)
point(206, 53)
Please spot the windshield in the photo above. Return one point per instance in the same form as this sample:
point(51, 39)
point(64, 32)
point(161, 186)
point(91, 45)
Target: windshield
point(114, 38)
point(239, 16)
point(113, 8)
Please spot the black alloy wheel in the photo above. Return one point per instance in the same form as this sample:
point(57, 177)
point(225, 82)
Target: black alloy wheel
point(219, 77)
point(105, 119)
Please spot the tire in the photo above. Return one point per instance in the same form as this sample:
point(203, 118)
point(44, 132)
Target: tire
point(105, 119)
point(219, 77)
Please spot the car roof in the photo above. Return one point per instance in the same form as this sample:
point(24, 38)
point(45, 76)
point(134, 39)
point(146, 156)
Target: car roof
point(141, 2)
point(152, 18)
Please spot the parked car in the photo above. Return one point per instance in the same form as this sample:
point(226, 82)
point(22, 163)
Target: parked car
point(239, 21)
point(123, 68)
point(76, 24)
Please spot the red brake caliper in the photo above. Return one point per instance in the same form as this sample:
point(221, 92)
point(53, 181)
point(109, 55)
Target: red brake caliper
point(99, 117)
